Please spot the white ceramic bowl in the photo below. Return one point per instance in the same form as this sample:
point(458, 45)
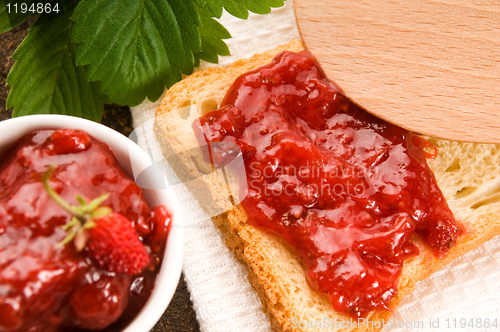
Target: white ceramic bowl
point(130, 156)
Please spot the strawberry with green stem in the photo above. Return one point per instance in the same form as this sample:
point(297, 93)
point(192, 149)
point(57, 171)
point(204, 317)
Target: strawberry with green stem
point(108, 237)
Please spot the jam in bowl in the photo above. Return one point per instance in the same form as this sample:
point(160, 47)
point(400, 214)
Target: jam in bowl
point(47, 282)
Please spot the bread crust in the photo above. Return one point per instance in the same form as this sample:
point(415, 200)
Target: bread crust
point(274, 269)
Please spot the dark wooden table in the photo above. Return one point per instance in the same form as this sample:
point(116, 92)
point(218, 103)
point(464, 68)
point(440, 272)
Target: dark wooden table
point(179, 316)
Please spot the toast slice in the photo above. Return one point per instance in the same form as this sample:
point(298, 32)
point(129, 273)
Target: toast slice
point(468, 175)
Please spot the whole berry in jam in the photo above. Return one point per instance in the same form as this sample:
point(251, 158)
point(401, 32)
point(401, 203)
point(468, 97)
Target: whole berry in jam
point(108, 237)
point(114, 245)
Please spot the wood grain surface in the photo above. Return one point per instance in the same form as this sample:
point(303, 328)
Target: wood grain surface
point(432, 66)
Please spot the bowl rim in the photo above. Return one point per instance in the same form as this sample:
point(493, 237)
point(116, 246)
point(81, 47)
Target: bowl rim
point(168, 276)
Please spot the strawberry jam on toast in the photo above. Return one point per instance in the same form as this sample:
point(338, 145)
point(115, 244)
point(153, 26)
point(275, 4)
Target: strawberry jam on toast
point(346, 190)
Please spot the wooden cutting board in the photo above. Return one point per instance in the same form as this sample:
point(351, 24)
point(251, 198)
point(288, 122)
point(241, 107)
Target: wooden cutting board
point(432, 67)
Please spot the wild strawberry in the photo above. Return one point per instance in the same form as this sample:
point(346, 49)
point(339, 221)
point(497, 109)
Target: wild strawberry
point(114, 245)
point(108, 237)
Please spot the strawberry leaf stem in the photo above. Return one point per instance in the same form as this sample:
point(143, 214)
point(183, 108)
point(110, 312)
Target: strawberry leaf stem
point(83, 215)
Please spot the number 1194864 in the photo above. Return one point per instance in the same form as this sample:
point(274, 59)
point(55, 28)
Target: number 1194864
point(35, 8)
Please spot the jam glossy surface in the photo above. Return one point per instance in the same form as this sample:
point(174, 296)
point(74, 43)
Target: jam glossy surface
point(48, 289)
point(345, 189)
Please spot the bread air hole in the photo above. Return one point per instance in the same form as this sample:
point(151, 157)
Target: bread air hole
point(490, 200)
point(208, 105)
point(454, 166)
point(184, 108)
point(465, 191)
point(279, 306)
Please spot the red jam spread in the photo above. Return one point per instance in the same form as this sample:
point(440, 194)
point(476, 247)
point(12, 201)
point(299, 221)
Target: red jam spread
point(47, 289)
point(344, 188)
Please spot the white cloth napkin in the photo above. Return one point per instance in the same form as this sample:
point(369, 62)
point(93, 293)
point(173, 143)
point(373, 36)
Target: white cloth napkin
point(223, 299)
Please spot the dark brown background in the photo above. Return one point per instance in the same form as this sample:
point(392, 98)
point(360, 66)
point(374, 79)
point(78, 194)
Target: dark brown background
point(180, 316)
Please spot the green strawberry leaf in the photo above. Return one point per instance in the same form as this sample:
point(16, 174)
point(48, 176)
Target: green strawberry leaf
point(199, 3)
point(210, 27)
point(136, 48)
point(45, 78)
point(240, 8)
point(212, 48)
point(212, 33)
point(127, 50)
